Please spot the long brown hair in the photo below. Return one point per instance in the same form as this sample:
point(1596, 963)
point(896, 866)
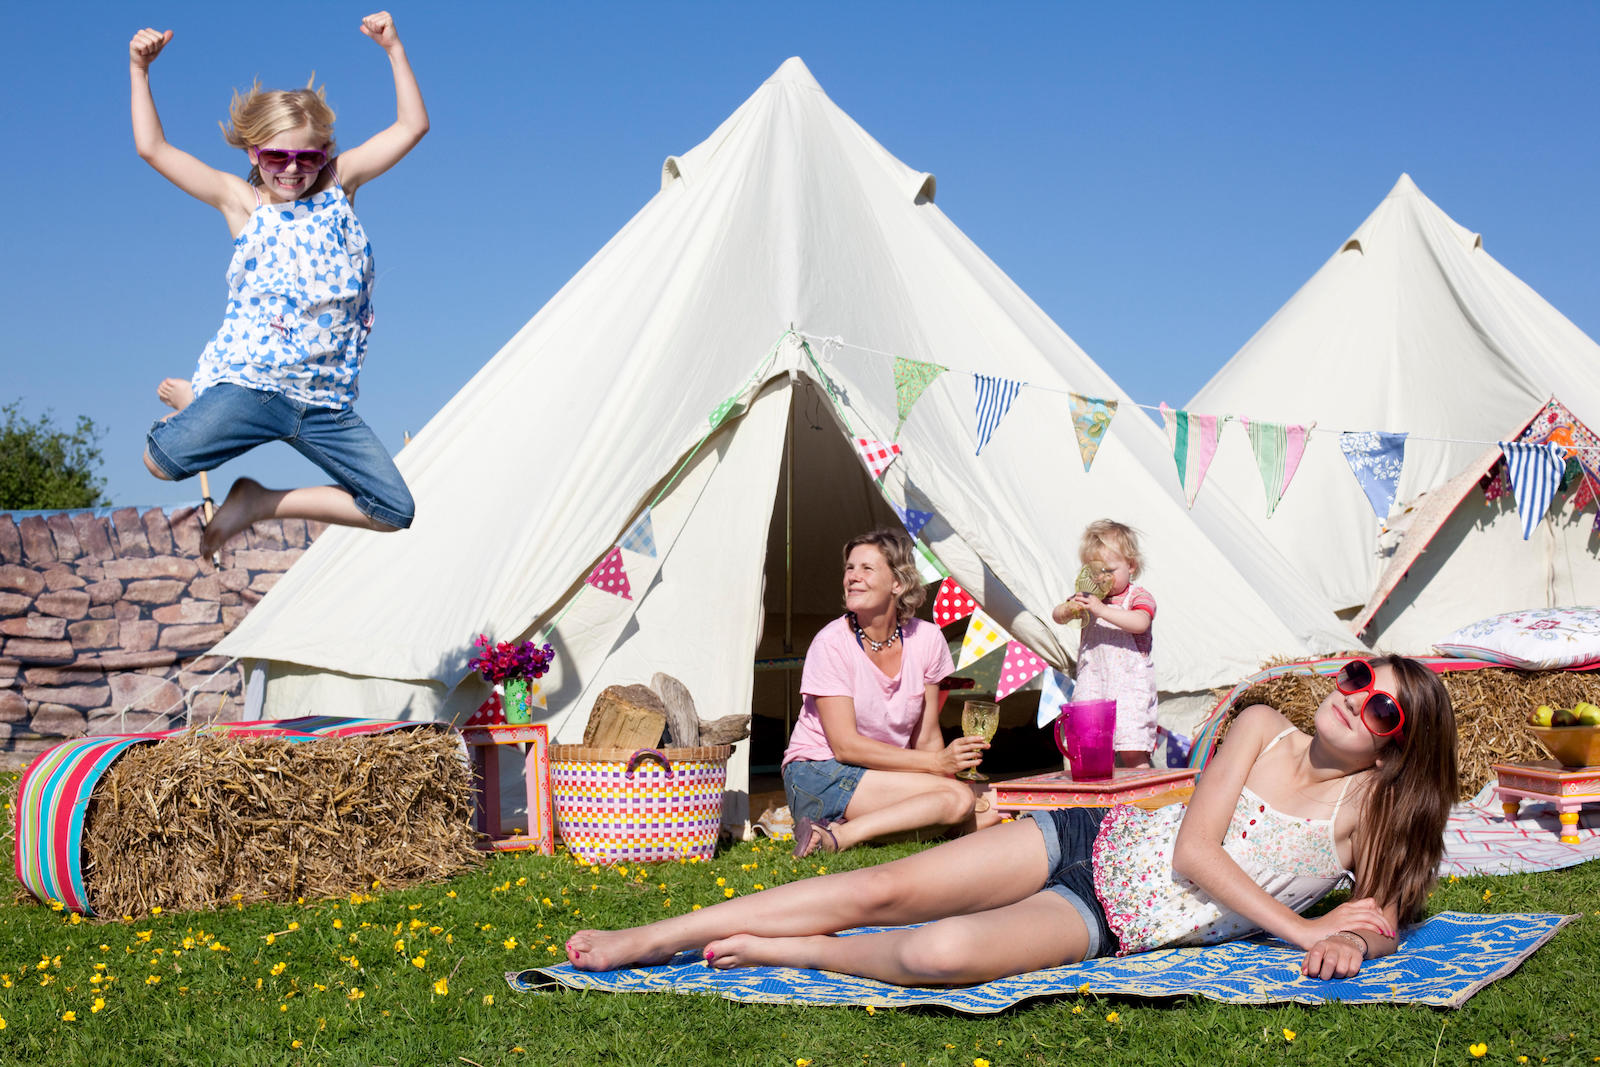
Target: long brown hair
point(1400, 839)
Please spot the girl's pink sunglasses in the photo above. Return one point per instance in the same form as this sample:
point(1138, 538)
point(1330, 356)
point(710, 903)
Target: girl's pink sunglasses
point(277, 160)
point(1381, 713)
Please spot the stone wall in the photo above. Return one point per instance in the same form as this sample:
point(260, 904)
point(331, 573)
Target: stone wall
point(105, 619)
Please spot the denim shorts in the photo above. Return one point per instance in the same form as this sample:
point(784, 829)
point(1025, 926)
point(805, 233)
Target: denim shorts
point(229, 420)
point(1069, 835)
point(820, 789)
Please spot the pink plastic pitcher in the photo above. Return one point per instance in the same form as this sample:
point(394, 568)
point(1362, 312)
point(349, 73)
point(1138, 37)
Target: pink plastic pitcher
point(1083, 734)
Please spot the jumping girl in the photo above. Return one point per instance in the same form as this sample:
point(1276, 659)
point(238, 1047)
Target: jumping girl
point(283, 366)
point(1277, 821)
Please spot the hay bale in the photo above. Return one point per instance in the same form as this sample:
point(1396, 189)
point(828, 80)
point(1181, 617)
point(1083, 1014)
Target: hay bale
point(189, 821)
point(1491, 706)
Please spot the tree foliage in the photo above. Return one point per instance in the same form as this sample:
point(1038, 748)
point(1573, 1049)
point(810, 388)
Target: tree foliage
point(43, 467)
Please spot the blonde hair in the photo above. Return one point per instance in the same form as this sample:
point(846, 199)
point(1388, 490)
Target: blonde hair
point(1103, 534)
point(899, 553)
point(256, 117)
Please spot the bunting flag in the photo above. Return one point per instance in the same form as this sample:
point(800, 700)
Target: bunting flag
point(490, 713)
point(1054, 691)
point(913, 519)
point(994, 400)
point(984, 635)
point(1375, 458)
point(641, 536)
point(876, 454)
point(929, 569)
point(952, 602)
point(1535, 472)
point(1194, 441)
point(610, 576)
point(911, 377)
point(1020, 667)
point(1278, 447)
point(536, 693)
point(1091, 417)
point(1558, 426)
point(720, 413)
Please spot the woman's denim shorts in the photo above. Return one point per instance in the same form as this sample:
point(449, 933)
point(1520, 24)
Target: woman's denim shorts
point(820, 789)
point(1069, 835)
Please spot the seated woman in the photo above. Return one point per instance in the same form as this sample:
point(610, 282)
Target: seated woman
point(867, 745)
point(1277, 821)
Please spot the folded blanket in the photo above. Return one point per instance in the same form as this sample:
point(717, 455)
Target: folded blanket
point(1481, 840)
point(1442, 962)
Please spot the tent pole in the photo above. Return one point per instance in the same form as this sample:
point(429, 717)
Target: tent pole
point(788, 560)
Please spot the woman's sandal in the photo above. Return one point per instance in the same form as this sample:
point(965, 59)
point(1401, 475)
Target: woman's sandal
point(806, 842)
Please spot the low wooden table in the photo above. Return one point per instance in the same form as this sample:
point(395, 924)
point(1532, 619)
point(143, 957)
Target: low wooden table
point(1147, 787)
point(484, 742)
point(1548, 782)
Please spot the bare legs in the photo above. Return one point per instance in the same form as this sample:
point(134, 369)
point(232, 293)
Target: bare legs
point(176, 393)
point(989, 879)
point(249, 502)
point(892, 802)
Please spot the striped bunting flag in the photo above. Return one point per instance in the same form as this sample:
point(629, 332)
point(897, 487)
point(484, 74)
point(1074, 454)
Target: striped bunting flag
point(1278, 447)
point(1194, 442)
point(1535, 472)
point(994, 400)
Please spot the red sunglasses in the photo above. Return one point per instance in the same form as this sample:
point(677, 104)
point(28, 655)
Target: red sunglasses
point(277, 160)
point(1381, 713)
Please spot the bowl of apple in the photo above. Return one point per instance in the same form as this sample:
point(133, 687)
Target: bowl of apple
point(1571, 735)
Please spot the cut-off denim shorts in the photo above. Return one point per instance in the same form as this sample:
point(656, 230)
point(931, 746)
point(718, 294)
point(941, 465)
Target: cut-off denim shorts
point(1069, 835)
point(229, 420)
point(820, 789)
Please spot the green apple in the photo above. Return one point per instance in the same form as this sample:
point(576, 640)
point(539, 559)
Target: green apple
point(1587, 713)
point(1541, 715)
point(1563, 717)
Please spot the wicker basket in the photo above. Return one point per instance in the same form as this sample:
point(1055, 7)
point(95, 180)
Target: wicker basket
point(619, 806)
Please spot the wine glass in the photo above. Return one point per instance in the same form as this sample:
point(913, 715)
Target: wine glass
point(981, 718)
point(1094, 579)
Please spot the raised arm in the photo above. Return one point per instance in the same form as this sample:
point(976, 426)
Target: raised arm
point(372, 157)
point(225, 192)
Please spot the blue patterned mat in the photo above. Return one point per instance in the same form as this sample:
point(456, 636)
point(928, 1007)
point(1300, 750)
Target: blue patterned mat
point(1443, 962)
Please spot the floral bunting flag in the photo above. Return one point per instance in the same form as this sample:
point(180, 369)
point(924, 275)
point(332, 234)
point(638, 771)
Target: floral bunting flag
point(641, 536)
point(609, 576)
point(1091, 417)
point(911, 377)
point(1054, 691)
point(952, 602)
point(1194, 442)
point(913, 519)
point(1278, 447)
point(720, 413)
point(1376, 459)
point(1558, 426)
point(994, 400)
point(984, 635)
point(1021, 666)
point(1535, 472)
point(876, 454)
point(929, 569)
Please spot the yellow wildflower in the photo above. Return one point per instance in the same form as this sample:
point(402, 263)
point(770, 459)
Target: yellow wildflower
point(509, 943)
point(354, 994)
point(980, 1062)
point(278, 968)
point(442, 987)
point(69, 1016)
point(419, 962)
point(1288, 1034)
point(338, 924)
point(152, 979)
point(1480, 1049)
point(295, 1043)
point(156, 910)
point(98, 1006)
point(871, 1010)
point(802, 1063)
point(727, 892)
point(399, 946)
point(451, 894)
point(270, 938)
point(488, 1000)
point(1112, 1017)
point(293, 925)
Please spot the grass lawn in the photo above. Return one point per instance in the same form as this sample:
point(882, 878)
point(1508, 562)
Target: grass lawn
point(415, 976)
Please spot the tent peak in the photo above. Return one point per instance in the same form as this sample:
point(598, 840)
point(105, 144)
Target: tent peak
point(795, 72)
point(1404, 185)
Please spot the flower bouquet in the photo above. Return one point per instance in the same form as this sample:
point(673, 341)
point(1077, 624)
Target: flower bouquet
point(510, 667)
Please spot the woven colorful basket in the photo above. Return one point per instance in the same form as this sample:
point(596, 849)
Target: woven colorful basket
point(617, 806)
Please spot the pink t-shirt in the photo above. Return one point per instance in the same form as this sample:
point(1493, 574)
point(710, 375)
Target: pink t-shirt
point(887, 709)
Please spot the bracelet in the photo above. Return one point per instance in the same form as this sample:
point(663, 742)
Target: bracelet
point(1366, 949)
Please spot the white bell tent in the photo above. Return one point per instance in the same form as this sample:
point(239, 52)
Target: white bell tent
point(787, 226)
point(1412, 327)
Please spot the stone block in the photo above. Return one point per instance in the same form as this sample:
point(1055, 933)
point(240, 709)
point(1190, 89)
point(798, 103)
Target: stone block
point(24, 580)
point(58, 720)
point(62, 577)
point(66, 537)
point(234, 580)
point(14, 604)
point(208, 682)
point(89, 570)
point(184, 638)
point(294, 533)
point(206, 587)
point(10, 541)
point(250, 596)
point(67, 603)
point(233, 615)
point(92, 535)
point(185, 526)
point(153, 591)
point(263, 582)
point(41, 626)
point(76, 673)
point(28, 650)
point(94, 633)
point(264, 559)
point(230, 599)
point(38, 547)
point(126, 611)
point(113, 721)
point(73, 696)
point(130, 661)
point(102, 611)
point(206, 664)
point(178, 567)
point(12, 707)
point(106, 592)
point(314, 529)
point(139, 636)
point(8, 672)
point(187, 611)
point(131, 543)
point(157, 531)
point(144, 692)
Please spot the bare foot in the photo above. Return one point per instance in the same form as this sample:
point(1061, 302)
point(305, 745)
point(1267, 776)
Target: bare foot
point(606, 950)
point(176, 393)
point(748, 950)
point(235, 515)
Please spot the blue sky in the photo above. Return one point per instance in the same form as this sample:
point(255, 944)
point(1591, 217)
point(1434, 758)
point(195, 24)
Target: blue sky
point(1159, 178)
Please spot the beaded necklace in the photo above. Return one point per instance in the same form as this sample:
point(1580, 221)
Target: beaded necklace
point(862, 638)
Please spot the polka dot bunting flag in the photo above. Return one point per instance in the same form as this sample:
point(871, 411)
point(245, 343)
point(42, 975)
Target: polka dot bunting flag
point(984, 635)
point(610, 577)
point(490, 713)
point(951, 603)
point(877, 455)
point(1019, 668)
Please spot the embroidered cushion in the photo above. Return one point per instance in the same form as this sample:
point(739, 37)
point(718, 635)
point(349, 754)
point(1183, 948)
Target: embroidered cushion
point(1538, 639)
